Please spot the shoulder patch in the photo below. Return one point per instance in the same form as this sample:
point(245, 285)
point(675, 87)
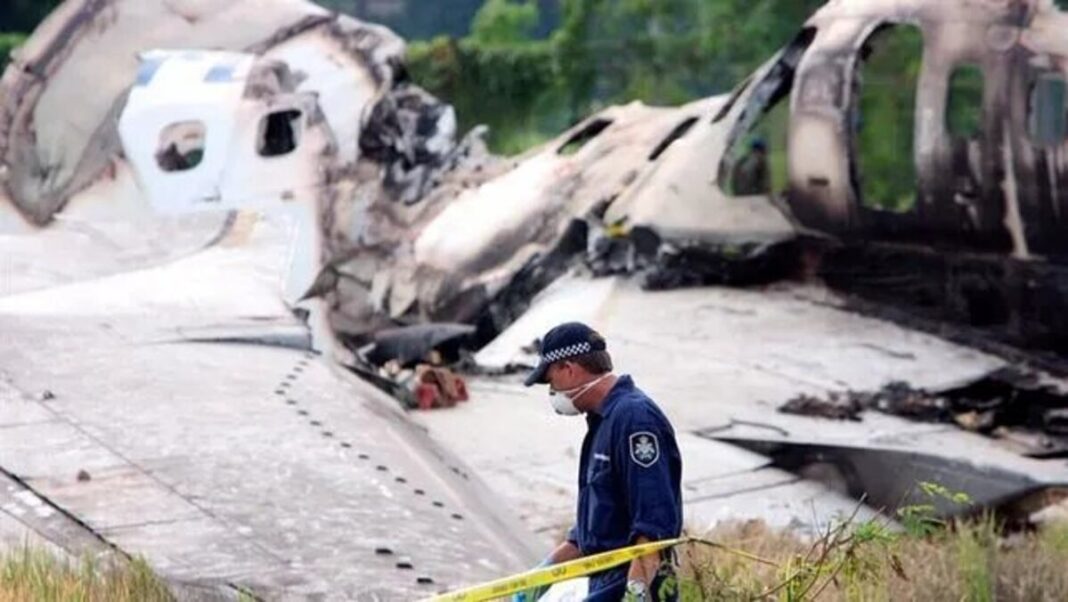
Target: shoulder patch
point(644, 448)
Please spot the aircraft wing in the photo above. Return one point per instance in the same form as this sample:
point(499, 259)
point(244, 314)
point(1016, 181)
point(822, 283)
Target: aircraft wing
point(174, 412)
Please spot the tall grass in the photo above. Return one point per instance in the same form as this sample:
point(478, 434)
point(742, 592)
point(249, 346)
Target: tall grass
point(35, 575)
point(970, 561)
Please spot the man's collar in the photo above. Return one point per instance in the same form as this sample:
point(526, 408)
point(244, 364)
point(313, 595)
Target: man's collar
point(611, 399)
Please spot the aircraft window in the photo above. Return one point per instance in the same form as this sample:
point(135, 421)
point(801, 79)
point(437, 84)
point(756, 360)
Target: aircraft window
point(677, 133)
point(755, 162)
point(735, 95)
point(964, 104)
point(220, 73)
point(181, 146)
point(279, 133)
point(147, 70)
point(884, 117)
point(1048, 110)
point(582, 137)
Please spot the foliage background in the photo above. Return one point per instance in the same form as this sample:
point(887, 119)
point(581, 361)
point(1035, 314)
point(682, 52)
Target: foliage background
point(526, 87)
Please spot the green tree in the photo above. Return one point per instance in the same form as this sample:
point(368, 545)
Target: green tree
point(603, 52)
point(669, 51)
point(574, 56)
point(501, 22)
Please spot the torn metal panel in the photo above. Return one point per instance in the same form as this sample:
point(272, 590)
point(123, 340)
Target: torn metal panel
point(890, 478)
point(414, 343)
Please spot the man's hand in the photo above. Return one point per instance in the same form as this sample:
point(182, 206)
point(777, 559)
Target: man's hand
point(565, 552)
point(642, 572)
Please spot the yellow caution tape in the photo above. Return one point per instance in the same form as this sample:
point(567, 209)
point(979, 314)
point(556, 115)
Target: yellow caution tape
point(616, 231)
point(555, 574)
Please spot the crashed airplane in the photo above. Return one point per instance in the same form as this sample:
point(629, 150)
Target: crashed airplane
point(306, 111)
point(398, 223)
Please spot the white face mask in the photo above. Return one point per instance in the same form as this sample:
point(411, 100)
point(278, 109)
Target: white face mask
point(564, 401)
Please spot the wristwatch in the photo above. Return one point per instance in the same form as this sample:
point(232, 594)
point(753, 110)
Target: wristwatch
point(637, 591)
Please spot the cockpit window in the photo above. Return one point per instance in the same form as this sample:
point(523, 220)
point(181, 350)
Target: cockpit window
point(181, 146)
point(280, 133)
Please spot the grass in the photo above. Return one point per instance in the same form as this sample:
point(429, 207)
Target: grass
point(971, 561)
point(968, 561)
point(30, 574)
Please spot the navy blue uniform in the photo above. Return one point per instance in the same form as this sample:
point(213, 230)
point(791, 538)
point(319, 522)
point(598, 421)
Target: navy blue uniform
point(629, 483)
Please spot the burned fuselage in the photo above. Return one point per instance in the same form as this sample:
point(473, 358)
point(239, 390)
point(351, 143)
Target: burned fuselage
point(957, 210)
point(995, 184)
point(914, 151)
point(919, 150)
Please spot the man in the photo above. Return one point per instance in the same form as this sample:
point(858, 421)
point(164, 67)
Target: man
point(629, 472)
point(751, 175)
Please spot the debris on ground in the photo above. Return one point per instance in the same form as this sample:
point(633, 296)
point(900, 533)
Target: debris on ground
point(833, 408)
point(1009, 404)
point(435, 387)
point(896, 398)
point(901, 399)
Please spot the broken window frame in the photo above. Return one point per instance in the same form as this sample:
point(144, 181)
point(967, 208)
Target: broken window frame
point(171, 160)
point(1039, 139)
point(864, 52)
point(294, 119)
point(774, 87)
point(952, 129)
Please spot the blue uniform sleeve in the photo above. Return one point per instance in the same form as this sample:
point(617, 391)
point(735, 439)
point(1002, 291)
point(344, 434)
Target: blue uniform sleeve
point(651, 472)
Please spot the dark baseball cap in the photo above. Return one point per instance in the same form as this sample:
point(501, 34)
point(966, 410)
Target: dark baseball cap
point(563, 342)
